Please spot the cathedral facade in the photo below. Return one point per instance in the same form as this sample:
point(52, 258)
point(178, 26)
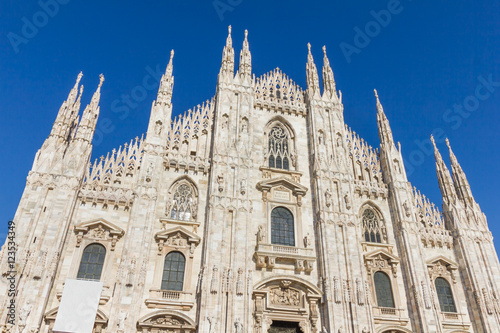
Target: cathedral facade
point(256, 211)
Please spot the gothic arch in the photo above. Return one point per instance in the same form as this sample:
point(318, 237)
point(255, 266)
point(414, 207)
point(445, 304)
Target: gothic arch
point(289, 152)
point(370, 205)
point(165, 319)
point(185, 209)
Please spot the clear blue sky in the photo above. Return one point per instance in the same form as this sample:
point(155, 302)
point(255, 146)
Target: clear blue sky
point(423, 59)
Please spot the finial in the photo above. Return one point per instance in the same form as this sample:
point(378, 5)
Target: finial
point(79, 77)
point(229, 29)
point(171, 54)
point(448, 143)
point(246, 33)
point(309, 47)
point(324, 49)
point(376, 93)
point(433, 142)
point(101, 80)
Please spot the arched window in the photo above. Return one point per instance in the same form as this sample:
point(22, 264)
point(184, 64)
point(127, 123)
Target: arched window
point(282, 232)
point(371, 227)
point(183, 203)
point(383, 289)
point(92, 262)
point(173, 271)
point(445, 295)
point(279, 151)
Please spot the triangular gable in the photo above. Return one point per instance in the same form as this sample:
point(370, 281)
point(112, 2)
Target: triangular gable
point(114, 230)
point(267, 185)
point(188, 235)
point(443, 261)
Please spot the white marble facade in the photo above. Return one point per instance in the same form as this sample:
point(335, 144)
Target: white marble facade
point(273, 212)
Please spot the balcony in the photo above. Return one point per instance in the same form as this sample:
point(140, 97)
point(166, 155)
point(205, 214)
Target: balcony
point(161, 299)
point(393, 316)
point(269, 255)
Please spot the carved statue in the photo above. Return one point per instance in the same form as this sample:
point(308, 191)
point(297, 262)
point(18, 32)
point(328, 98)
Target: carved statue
point(328, 197)
point(238, 326)
point(347, 200)
point(158, 127)
point(243, 186)
point(24, 313)
point(212, 321)
point(122, 317)
point(261, 235)
point(307, 240)
point(407, 209)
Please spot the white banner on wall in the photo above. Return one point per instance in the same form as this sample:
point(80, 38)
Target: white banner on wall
point(78, 308)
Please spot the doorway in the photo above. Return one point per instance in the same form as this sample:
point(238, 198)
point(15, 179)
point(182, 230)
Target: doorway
point(284, 327)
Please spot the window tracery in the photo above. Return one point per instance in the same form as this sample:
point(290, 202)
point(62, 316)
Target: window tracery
point(183, 203)
point(279, 149)
point(373, 230)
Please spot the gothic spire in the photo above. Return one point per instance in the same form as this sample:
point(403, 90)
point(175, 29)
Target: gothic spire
point(245, 67)
point(444, 177)
point(460, 180)
point(227, 65)
point(164, 96)
point(312, 73)
point(68, 111)
point(90, 115)
point(329, 88)
point(384, 129)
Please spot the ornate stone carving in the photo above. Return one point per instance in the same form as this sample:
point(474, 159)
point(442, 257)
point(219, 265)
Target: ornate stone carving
point(284, 296)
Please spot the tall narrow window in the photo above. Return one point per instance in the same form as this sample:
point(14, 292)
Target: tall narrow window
point(282, 229)
point(383, 289)
point(445, 295)
point(182, 203)
point(371, 227)
point(173, 271)
point(279, 152)
point(92, 262)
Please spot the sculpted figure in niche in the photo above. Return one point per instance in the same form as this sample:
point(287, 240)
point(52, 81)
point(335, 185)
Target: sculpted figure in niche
point(307, 240)
point(238, 326)
point(328, 197)
point(261, 235)
point(158, 127)
point(407, 209)
point(347, 200)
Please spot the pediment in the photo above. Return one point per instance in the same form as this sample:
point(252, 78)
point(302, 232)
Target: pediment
point(178, 233)
point(382, 254)
point(101, 225)
point(441, 260)
point(268, 184)
point(160, 320)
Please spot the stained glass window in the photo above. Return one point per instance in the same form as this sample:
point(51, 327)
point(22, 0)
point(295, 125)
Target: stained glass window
point(173, 271)
point(383, 290)
point(92, 262)
point(282, 232)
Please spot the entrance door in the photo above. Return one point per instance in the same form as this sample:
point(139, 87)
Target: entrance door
point(284, 327)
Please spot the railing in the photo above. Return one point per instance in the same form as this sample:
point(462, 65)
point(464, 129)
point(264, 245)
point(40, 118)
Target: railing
point(168, 294)
point(388, 311)
point(285, 249)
